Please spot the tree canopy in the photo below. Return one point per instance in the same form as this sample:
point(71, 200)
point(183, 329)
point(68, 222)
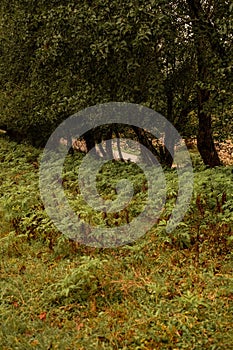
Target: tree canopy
point(59, 57)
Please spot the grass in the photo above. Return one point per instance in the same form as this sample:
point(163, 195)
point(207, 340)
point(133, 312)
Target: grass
point(162, 292)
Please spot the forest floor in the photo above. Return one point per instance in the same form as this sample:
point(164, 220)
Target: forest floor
point(164, 291)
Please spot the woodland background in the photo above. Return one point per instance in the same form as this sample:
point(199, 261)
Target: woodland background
point(166, 290)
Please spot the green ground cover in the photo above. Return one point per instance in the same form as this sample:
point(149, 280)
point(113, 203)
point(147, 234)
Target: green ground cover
point(165, 291)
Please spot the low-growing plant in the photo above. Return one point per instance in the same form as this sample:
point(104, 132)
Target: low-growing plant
point(163, 291)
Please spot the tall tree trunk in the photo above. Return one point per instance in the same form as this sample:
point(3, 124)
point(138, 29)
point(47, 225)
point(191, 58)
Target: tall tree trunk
point(205, 143)
point(169, 141)
point(204, 44)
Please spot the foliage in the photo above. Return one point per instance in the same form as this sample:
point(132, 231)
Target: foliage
point(164, 291)
point(58, 57)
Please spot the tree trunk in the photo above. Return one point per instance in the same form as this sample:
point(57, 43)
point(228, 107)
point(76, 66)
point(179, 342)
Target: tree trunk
point(205, 143)
point(89, 139)
point(204, 46)
point(169, 141)
point(118, 143)
point(143, 138)
point(108, 136)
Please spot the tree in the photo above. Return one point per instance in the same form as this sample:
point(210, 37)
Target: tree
point(59, 57)
point(209, 46)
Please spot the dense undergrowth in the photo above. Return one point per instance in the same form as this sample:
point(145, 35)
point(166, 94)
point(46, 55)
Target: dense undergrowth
point(165, 291)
